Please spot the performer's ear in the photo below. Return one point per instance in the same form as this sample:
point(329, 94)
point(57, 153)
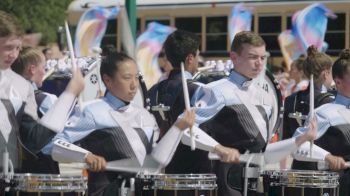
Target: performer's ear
point(337, 81)
point(31, 69)
point(233, 55)
point(107, 80)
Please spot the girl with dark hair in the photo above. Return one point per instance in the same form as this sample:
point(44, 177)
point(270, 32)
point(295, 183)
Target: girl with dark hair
point(114, 128)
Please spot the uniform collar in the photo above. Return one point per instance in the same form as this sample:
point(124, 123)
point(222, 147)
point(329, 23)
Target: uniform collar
point(35, 87)
point(188, 75)
point(340, 99)
point(239, 79)
point(176, 73)
point(115, 102)
point(322, 88)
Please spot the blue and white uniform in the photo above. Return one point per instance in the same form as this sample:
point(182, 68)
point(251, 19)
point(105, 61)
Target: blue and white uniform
point(333, 121)
point(110, 128)
point(237, 113)
point(44, 100)
point(19, 120)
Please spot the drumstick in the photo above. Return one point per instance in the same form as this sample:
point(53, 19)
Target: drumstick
point(312, 105)
point(187, 102)
point(72, 57)
point(48, 73)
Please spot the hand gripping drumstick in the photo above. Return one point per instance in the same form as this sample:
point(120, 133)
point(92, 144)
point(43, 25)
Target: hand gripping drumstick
point(72, 57)
point(187, 102)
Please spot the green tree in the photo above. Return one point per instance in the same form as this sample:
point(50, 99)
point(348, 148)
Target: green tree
point(38, 15)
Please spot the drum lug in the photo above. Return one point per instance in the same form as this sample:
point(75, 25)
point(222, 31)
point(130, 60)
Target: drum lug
point(251, 172)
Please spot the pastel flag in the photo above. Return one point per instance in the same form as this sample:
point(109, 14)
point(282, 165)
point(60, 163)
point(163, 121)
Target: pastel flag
point(91, 29)
point(240, 19)
point(290, 48)
point(310, 26)
point(148, 46)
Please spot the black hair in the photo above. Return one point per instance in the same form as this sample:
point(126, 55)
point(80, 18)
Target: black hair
point(341, 65)
point(179, 45)
point(111, 62)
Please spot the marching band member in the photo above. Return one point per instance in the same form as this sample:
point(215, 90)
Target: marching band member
point(164, 65)
point(114, 128)
point(236, 111)
point(20, 125)
point(182, 46)
point(333, 137)
point(298, 80)
point(31, 65)
point(320, 65)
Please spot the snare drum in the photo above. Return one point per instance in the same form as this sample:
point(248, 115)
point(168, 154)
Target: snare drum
point(176, 185)
point(301, 182)
point(42, 184)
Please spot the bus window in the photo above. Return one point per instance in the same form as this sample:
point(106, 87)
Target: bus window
point(269, 29)
point(335, 35)
point(216, 34)
point(110, 37)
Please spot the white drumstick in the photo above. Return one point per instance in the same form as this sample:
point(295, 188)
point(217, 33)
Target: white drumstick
point(72, 57)
point(187, 102)
point(243, 158)
point(48, 73)
point(312, 106)
point(323, 165)
point(126, 165)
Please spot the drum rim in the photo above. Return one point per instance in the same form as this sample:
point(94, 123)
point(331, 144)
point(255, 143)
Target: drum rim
point(33, 182)
point(51, 176)
point(303, 178)
point(299, 171)
point(179, 181)
point(178, 176)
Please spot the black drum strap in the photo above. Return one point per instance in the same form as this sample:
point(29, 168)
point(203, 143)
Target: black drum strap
point(321, 98)
point(146, 100)
point(39, 98)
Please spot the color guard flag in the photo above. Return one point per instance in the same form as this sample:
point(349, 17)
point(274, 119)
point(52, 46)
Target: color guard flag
point(310, 26)
point(91, 29)
point(240, 19)
point(148, 46)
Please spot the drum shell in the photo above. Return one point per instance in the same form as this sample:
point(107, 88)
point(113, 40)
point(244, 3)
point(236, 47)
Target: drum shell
point(176, 185)
point(47, 185)
point(300, 182)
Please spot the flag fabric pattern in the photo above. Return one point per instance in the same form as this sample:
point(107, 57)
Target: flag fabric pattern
point(309, 27)
point(91, 29)
point(240, 19)
point(148, 46)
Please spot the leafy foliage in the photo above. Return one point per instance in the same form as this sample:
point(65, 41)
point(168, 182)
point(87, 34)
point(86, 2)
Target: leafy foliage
point(38, 15)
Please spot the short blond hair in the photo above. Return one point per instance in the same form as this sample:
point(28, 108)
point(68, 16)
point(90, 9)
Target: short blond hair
point(27, 56)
